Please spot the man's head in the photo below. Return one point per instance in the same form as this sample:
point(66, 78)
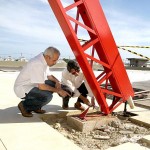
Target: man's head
point(51, 55)
point(73, 67)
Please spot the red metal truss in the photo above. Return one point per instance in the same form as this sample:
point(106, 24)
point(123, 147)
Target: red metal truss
point(90, 17)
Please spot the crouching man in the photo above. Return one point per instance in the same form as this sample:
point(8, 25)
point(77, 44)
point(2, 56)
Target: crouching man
point(74, 82)
point(33, 85)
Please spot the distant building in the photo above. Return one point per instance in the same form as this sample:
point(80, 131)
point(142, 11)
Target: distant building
point(148, 64)
point(137, 62)
point(22, 59)
point(9, 58)
point(1, 59)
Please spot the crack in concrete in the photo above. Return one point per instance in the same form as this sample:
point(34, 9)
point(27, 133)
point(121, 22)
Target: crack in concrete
point(3, 144)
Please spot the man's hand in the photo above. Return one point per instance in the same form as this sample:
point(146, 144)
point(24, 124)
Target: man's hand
point(63, 93)
point(58, 85)
point(76, 73)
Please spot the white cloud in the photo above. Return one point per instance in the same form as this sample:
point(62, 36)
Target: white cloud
point(29, 21)
point(129, 29)
point(44, 1)
point(34, 21)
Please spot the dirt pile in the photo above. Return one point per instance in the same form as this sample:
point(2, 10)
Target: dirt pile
point(113, 134)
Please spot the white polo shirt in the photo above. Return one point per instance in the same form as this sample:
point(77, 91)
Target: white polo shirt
point(74, 82)
point(33, 73)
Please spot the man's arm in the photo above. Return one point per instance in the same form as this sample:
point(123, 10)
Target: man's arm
point(85, 100)
point(53, 89)
point(54, 79)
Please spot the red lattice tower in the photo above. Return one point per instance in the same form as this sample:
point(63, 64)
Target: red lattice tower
point(100, 48)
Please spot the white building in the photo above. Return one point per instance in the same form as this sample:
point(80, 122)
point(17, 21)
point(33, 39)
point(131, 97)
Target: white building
point(1, 59)
point(9, 58)
point(22, 59)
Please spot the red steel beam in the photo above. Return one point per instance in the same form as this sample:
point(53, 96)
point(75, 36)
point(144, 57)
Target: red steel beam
point(102, 41)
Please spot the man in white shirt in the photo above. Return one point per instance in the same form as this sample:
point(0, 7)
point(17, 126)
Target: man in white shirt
point(34, 86)
point(75, 82)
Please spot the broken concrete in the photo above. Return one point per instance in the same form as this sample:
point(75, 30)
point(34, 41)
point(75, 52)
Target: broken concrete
point(128, 146)
point(146, 139)
point(92, 121)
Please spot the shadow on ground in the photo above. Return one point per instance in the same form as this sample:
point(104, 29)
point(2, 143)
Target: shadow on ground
point(13, 115)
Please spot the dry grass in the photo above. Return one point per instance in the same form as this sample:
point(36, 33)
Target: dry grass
point(12, 63)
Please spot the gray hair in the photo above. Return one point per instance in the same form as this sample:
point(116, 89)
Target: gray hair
point(50, 51)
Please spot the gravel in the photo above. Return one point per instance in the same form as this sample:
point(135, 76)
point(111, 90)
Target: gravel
point(113, 134)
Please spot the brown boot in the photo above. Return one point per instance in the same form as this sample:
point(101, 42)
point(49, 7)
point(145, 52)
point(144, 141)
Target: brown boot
point(65, 107)
point(23, 111)
point(39, 111)
point(78, 106)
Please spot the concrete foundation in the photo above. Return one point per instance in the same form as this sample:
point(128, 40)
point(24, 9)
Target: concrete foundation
point(91, 122)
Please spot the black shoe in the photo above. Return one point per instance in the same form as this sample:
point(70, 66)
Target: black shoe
point(65, 103)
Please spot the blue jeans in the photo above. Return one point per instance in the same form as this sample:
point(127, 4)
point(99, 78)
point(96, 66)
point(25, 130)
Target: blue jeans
point(37, 98)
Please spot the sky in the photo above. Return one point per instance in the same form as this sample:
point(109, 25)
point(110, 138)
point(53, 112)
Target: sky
point(28, 27)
